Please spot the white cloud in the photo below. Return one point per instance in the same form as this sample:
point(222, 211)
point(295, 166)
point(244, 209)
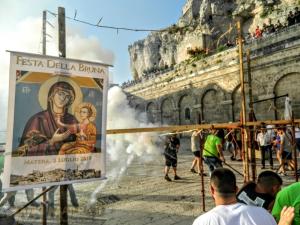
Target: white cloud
point(88, 49)
point(26, 36)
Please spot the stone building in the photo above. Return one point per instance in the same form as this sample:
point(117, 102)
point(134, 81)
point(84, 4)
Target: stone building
point(208, 89)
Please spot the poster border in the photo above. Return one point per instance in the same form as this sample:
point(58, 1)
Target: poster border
point(11, 110)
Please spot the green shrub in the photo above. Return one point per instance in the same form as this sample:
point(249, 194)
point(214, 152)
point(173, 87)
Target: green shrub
point(221, 48)
point(266, 11)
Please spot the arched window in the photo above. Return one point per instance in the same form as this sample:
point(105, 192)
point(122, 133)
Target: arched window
point(187, 113)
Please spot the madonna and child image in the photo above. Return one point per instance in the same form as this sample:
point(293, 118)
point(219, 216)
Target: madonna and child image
point(64, 126)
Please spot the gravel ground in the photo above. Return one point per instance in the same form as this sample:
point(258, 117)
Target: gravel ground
point(140, 197)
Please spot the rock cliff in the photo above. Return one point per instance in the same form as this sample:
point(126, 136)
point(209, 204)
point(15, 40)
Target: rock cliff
point(204, 24)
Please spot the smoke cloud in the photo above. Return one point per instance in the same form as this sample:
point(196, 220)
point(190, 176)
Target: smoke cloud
point(120, 115)
point(123, 149)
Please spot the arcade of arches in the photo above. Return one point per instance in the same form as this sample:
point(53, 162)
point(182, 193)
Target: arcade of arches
point(208, 90)
point(216, 106)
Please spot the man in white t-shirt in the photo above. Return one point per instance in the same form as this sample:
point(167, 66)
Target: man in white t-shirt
point(264, 140)
point(228, 211)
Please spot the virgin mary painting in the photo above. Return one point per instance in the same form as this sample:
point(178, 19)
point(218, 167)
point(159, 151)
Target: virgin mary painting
point(42, 134)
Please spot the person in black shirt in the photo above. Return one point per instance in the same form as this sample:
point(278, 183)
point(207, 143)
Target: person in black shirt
point(291, 19)
point(262, 193)
point(171, 148)
point(297, 15)
point(278, 26)
point(271, 27)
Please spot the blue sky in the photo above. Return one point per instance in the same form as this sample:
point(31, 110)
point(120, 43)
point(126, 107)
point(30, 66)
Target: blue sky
point(149, 14)
point(21, 29)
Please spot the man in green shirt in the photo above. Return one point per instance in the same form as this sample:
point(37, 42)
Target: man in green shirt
point(212, 152)
point(289, 196)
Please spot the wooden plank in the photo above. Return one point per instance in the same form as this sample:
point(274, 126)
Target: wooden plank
point(179, 128)
point(62, 53)
point(174, 128)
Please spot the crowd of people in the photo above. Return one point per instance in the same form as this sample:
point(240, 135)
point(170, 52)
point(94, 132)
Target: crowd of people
point(267, 29)
point(254, 203)
point(210, 146)
point(279, 141)
point(147, 75)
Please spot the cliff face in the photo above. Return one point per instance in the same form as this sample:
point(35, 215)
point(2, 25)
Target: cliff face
point(204, 24)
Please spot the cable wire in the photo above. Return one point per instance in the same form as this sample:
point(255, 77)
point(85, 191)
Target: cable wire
point(104, 26)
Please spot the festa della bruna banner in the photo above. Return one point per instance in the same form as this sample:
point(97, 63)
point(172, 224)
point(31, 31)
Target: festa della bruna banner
point(56, 121)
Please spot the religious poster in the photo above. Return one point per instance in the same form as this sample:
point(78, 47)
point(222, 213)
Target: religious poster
point(56, 121)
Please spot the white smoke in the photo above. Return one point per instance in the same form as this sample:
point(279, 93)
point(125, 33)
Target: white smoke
point(123, 149)
point(121, 115)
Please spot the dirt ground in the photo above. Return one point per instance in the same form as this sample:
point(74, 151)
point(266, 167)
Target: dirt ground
point(140, 197)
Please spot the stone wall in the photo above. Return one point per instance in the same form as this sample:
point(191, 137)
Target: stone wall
point(208, 90)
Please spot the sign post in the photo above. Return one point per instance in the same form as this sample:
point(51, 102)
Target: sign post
point(62, 53)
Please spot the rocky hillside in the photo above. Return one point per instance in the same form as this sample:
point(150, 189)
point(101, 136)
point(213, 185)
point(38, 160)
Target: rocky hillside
point(204, 24)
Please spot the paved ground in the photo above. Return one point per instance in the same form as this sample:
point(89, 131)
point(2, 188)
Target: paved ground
point(140, 197)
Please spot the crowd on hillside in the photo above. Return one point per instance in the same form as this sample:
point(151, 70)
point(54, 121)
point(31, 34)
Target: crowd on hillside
point(147, 75)
point(266, 29)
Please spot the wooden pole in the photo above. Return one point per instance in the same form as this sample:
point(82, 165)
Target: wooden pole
point(201, 145)
point(202, 184)
point(44, 205)
point(29, 203)
point(272, 122)
point(61, 32)
point(44, 31)
point(294, 148)
point(62, 53)
point(243, 104)
point(179, 128)
point(251, 118)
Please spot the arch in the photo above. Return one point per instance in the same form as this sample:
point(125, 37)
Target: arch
point(151, 109)
point(280, 74)
point(167, 99)
point(184, 94)
point(187, 114)
point(236, 103)
point(167, 112)
point(151, 104)
point(185, 102)
point(236, 97)
point(284, 86)
point(215, 87)
point(139, 108)
point(211, 109)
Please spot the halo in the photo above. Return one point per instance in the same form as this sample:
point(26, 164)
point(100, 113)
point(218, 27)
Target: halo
point(87, 105)
point(44, 90)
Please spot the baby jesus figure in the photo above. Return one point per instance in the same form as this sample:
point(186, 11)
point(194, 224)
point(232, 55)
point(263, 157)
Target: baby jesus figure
point(86, 137)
